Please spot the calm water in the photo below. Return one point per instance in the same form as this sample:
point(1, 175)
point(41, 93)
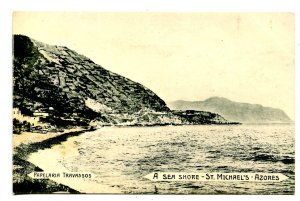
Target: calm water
point(121, 157)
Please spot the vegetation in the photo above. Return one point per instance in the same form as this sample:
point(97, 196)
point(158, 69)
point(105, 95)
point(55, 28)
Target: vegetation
point(19, 127)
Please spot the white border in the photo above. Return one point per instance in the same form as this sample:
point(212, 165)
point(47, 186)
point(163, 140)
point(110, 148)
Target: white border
point(8, 6)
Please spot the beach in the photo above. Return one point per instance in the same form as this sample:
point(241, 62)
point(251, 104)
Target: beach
point(50, 161)
point(26, 143)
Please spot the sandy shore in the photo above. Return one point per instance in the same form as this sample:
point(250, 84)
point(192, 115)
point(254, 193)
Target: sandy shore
point(42, 152)
point(28, 143)
point(48, 160)
point(28, 138)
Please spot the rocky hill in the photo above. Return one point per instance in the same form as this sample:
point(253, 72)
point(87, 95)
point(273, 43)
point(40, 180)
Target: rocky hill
point(201, 117)
point(234, 111)
point(64, 88)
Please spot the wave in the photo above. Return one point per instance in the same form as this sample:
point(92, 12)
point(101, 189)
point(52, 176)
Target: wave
point(272, 158)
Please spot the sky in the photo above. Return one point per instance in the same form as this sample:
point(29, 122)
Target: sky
point(245, 57)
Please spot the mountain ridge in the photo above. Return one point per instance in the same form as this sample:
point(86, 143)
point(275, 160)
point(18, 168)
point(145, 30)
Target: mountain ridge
point(233, 110)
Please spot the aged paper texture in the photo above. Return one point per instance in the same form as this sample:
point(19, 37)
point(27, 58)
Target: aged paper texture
point(153, 103)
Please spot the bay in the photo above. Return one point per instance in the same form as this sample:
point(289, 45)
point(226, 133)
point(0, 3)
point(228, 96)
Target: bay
point(120, 157)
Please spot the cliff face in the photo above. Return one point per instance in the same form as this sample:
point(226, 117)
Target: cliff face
point(65, 88)
point(234, 111)
point(70, 84)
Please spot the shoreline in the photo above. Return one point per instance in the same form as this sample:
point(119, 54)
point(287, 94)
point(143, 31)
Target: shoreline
point(22, 183)
point(45, 155)
point(38, 153)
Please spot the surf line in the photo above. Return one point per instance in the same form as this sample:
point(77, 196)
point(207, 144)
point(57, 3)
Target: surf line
point(216, 176)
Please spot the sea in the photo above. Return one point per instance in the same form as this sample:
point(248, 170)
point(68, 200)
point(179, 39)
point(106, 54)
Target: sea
point(121, 157)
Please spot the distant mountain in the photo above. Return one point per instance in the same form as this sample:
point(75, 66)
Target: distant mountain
point(64, 88)
point(234, 111)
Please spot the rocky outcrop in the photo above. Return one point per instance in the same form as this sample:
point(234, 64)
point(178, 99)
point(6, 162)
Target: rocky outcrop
point(234, 111)
point(66, 88)
point(201, 117)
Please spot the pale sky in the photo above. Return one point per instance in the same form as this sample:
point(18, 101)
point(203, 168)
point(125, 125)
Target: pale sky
point(245, 57)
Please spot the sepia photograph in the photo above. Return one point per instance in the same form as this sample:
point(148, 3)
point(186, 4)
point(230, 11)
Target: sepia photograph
point(153, 103)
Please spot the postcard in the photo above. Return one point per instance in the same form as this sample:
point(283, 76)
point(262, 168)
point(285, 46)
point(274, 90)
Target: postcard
point(153, 103)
